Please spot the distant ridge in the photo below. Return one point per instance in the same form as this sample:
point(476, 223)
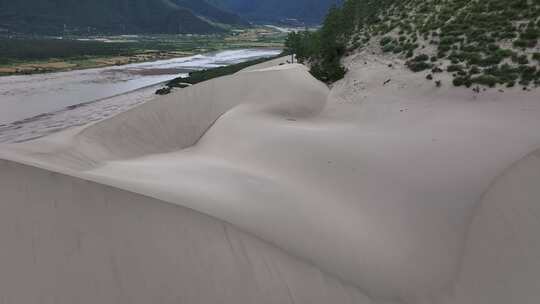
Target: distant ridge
point(307, 12)
point(212, 12)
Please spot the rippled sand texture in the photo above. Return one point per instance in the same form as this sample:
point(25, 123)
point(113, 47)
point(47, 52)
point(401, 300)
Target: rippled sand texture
point(267, 187)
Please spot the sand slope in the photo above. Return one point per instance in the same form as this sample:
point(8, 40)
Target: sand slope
point(66, 240)
point(502, 245)
point(391, 186)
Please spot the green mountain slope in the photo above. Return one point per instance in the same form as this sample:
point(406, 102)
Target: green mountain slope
point(112, 16)
point(484, 42)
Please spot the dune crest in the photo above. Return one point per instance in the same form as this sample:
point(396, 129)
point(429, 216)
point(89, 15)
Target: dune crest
point(385, 182)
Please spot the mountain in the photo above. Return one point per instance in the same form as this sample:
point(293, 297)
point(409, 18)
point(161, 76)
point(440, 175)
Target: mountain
point(478, 42)
point(212, 12)
point(114, 16)
point(153, 16)
point(288, 11)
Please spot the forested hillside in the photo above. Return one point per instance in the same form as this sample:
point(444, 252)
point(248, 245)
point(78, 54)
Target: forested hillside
point(113, 16)
point(484, 42)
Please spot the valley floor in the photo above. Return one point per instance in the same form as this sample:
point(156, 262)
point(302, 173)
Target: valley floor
point(23, 55)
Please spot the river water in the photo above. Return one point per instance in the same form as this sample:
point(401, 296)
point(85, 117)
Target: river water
point(32, 106)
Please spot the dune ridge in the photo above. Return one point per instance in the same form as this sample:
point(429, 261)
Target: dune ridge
point(385, 181)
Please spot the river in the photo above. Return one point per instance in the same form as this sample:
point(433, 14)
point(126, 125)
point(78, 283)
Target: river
point(32, 106)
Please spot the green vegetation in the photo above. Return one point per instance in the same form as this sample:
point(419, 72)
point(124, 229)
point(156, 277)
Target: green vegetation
point(16, 50)
point(325, 48)
point(469, 37)
point(419, 63)
point(204, 75)
point(19, 52)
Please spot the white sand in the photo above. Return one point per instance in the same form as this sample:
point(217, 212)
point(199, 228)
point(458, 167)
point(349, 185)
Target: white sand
point(407, 192)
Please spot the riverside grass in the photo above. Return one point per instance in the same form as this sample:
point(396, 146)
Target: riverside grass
point(204, 75)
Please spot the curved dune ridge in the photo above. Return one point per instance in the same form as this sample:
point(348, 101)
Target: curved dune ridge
point(267, 187)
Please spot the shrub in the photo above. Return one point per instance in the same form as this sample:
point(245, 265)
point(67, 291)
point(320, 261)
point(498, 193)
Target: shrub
point(508, 35)
point(459, 81)
point(488, 80)
point(388, 48)
point(523, 59)
point(444, 48)
point(474, 70)
point(386, 40)
point(421, 57)
point(491, 60)
point(417, 66)
point(492, 47)
point(398, 49)
point(530, 33)
point(504, 53)
point(505, 73)
point(454, 68)
point(472, 58)
point(528, 73)
point(524, 82)
point(448, 41)
point(523, 43)
point(410, 53)
point(328, 71)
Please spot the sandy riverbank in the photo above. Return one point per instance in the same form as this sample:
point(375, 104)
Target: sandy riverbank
point(267, 187)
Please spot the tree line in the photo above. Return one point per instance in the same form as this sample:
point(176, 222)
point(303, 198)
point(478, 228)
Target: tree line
point(324, 48)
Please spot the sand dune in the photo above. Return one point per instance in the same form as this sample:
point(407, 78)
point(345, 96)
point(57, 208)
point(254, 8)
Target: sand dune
point(267, 187)
point(66, 240)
